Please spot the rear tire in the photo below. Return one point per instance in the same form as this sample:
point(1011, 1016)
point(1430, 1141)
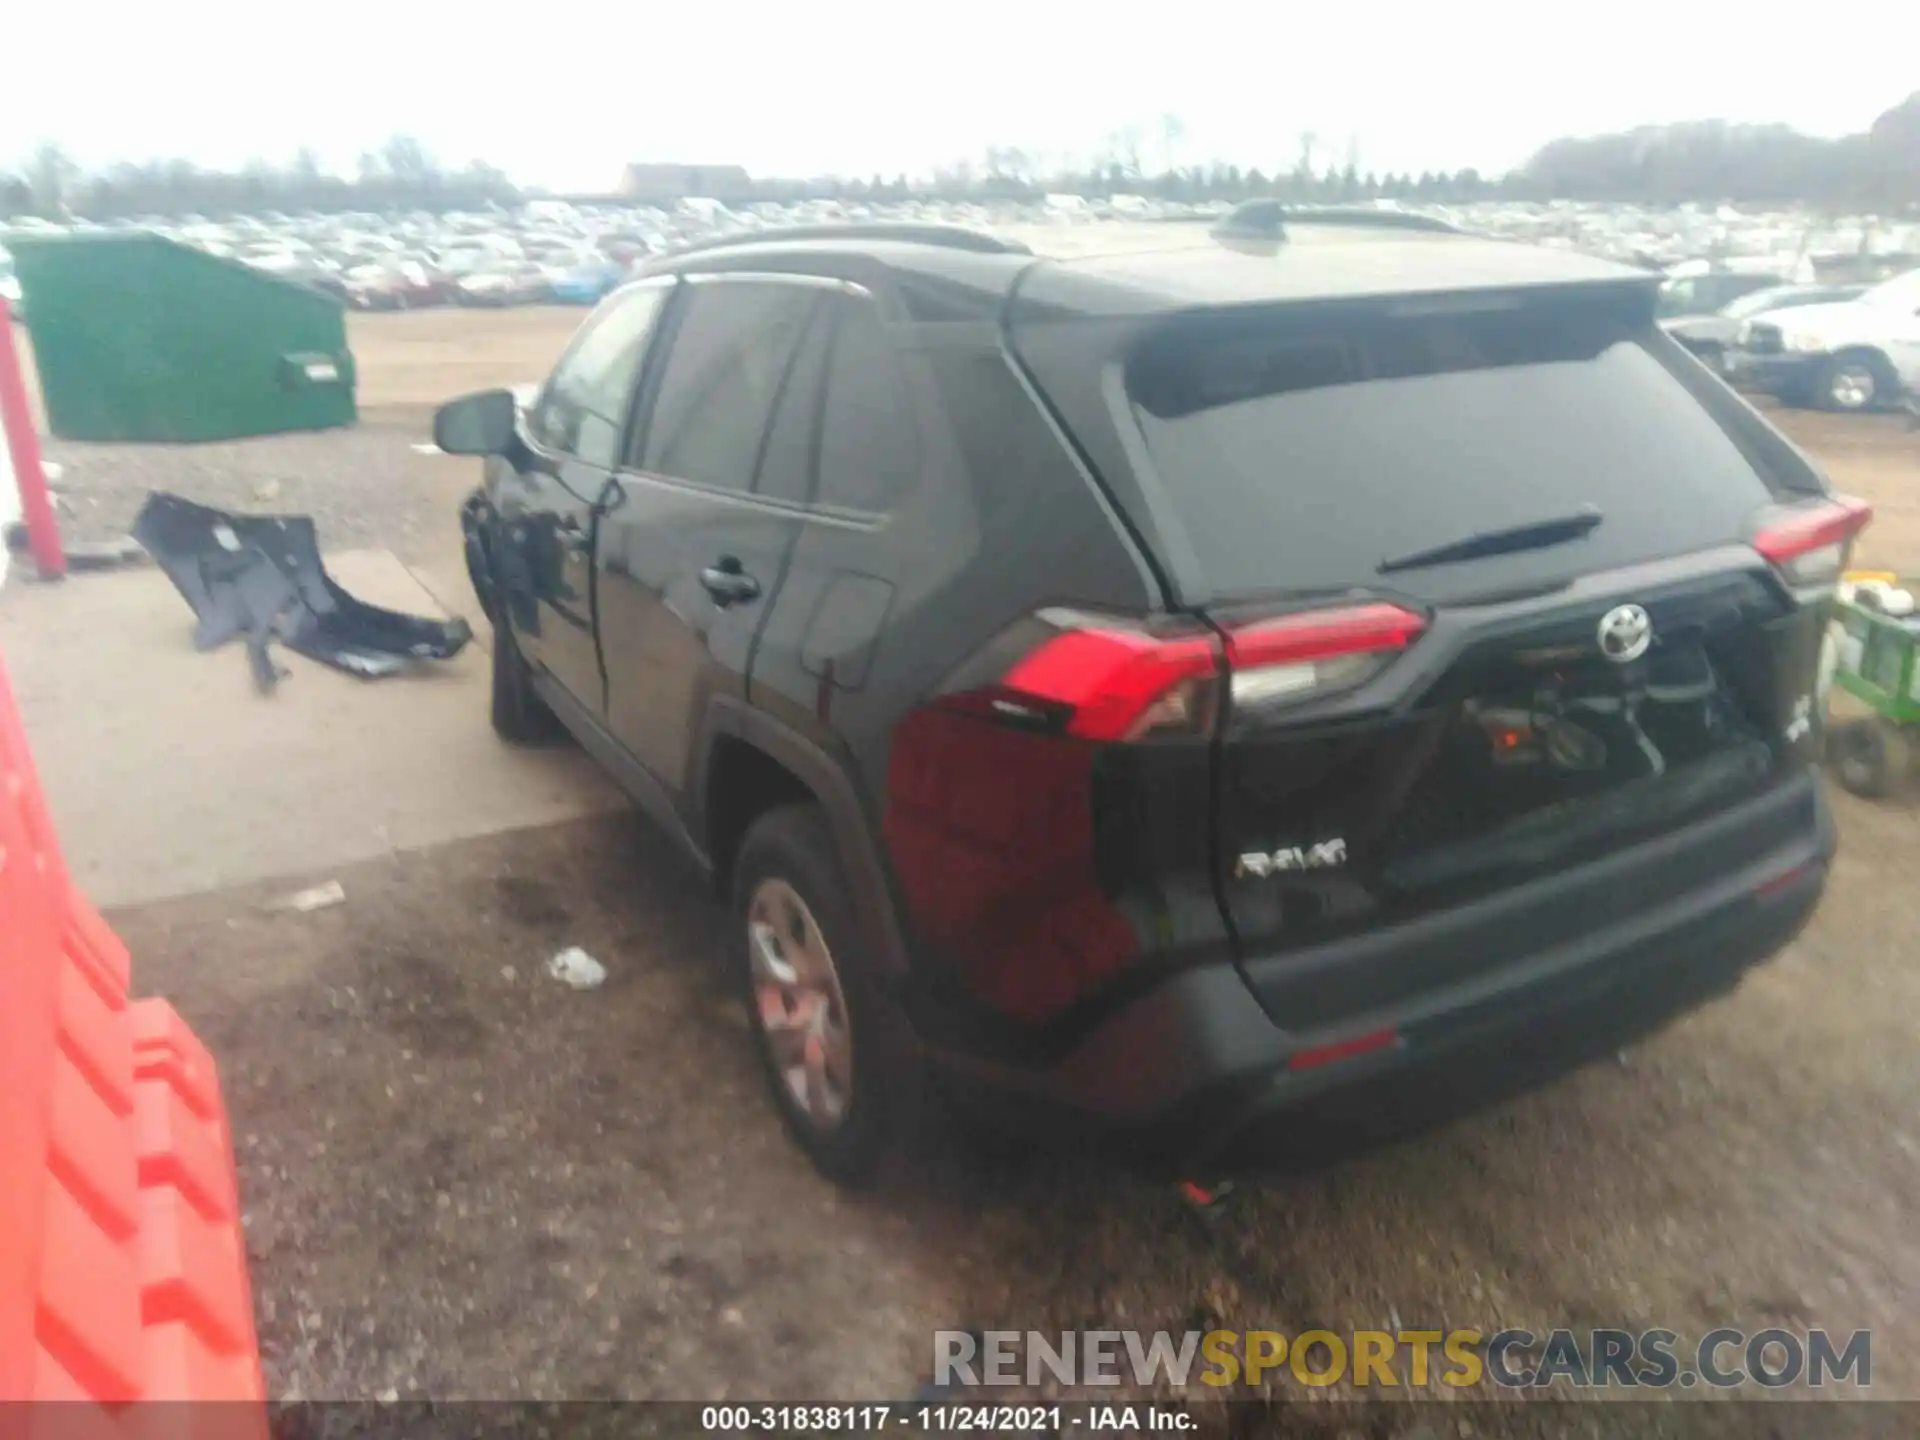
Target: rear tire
point(1869, 757)
point(826, 1031)
point(1852, 383)
point(520, 716)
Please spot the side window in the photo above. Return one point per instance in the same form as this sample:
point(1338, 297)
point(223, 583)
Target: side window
point(868, 447)
point(1682, 297)
point(584, 408)
point(723, 374)
point(786, 466)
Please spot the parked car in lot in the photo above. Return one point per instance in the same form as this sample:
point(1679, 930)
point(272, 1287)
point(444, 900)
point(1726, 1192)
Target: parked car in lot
point(586, 283)
point(1187, 693)
point(1849, 357)
point(508, 284)
point(405, 285)
point(1711, 291)
point(1712, 336)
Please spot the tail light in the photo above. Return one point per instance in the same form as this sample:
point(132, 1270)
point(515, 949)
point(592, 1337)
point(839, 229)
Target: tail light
point(1113, 683)
point(1102, 679)
point(1321, 650)
point(1810, 544)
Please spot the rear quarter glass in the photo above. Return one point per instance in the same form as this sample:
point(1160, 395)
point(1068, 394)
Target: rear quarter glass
point(1299, 452)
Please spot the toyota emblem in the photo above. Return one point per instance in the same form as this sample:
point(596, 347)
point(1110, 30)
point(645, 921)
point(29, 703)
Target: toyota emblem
point(1625, 633)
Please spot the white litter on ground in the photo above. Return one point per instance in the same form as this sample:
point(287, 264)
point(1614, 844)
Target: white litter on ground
point(573, 966)
point(317, 898)
point(428, 448)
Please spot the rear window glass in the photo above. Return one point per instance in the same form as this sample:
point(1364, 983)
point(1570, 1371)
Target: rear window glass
point(1302, 454)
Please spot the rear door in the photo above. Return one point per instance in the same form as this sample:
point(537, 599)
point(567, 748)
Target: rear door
point(1490, 612)
point(843, 580)
point(694, 541)
point(572, 440)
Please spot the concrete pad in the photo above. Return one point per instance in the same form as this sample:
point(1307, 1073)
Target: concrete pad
point(169, 775)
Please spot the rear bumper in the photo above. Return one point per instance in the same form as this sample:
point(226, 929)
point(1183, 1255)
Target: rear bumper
point(1194, 1076)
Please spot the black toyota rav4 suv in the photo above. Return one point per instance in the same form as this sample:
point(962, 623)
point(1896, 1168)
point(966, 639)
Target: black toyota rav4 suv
point(1179, 685)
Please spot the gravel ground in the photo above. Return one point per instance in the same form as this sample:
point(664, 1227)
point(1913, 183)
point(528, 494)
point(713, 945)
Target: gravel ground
point(356, 483)
point(465, 1180)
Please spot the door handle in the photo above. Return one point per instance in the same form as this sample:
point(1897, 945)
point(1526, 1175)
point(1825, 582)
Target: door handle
point(728, 584)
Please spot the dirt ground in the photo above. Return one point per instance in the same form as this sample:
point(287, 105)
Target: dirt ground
point(463, 1179)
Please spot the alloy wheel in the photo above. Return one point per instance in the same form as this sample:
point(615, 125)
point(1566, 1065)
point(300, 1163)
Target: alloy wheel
point(1851, 387)
point(798, 1003)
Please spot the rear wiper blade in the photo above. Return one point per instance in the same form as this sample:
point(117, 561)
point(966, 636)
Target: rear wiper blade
point(1535, 535)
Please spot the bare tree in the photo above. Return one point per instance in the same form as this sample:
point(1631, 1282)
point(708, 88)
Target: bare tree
point(407, 161)
point(51, 177)
point(1173, 131)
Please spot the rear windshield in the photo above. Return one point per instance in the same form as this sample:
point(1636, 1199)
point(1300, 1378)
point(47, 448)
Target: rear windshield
point(1301, 453)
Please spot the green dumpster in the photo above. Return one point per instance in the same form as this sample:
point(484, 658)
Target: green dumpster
point(137, 338)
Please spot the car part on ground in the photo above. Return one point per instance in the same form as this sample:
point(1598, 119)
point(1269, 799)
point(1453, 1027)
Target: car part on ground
point(261, 579)
point(1159, 800)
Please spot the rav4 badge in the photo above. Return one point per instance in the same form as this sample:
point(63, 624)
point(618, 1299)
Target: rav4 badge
point(1324, 855)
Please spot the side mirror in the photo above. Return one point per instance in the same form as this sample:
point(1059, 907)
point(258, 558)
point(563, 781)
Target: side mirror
point(476, 424)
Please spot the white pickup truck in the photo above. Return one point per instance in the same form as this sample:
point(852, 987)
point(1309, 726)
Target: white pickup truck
point(1858, 355)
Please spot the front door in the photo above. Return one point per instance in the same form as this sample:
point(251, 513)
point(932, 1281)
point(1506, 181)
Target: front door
point(694, 543)
point(571, 440)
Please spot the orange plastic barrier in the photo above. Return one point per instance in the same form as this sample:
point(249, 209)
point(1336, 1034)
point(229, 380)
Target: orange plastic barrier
point(122, 1266)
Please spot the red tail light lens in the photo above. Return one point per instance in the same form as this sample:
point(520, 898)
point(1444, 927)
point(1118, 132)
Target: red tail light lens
point(1119, 684)
point(1106, 681)
point(1810, 544)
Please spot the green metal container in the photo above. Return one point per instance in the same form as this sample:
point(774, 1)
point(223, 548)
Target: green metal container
point(137, 338)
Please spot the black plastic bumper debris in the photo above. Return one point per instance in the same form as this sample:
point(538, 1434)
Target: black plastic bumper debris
point(260, 577)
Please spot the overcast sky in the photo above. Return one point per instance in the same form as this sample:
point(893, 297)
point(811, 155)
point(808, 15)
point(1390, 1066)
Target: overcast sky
point(563, 93)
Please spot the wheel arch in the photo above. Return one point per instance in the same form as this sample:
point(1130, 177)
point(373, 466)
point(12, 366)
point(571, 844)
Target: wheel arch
point(751, 763)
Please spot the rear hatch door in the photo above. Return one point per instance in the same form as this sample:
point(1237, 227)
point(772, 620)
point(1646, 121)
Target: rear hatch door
point(1485, 573)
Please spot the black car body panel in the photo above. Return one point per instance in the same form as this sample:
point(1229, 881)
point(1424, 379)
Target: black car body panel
point(977, 549)
point(1192, 1066)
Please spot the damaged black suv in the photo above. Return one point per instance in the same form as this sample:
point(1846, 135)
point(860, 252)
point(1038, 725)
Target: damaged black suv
point(1195, 688)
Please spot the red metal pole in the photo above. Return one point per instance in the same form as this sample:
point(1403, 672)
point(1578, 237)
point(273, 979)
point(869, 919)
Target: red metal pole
point(23, 444)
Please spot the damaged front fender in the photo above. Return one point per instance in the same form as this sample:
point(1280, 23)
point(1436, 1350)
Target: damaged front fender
point(479, 525)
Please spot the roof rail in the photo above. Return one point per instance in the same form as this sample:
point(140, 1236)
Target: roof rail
point(1268, 220)
point(954, 237)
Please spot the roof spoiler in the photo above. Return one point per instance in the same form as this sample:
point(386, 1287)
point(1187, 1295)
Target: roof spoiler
point(1261, 226)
